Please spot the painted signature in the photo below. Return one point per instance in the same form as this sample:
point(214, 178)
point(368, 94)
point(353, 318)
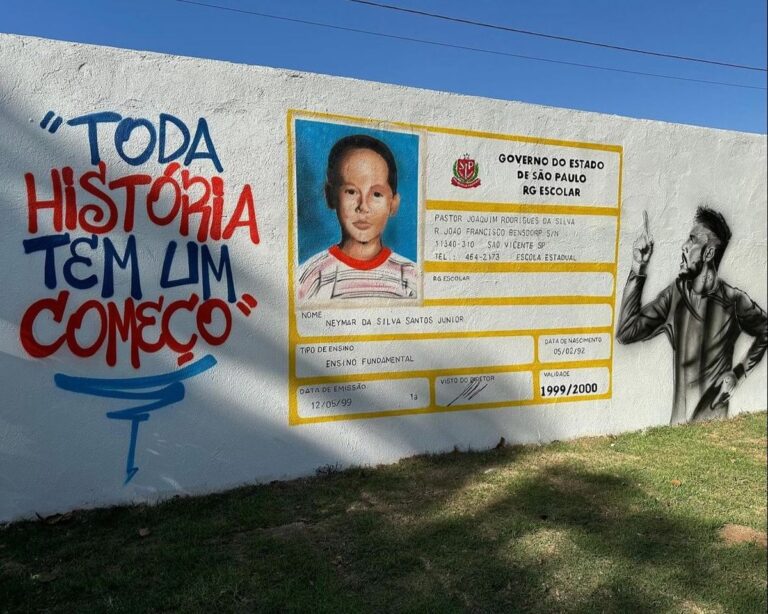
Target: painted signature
point(474, 388)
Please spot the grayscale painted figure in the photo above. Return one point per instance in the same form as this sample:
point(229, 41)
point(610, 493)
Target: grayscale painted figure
point(701, 315)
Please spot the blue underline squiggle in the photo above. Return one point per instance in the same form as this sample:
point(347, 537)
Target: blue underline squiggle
point(160, 390)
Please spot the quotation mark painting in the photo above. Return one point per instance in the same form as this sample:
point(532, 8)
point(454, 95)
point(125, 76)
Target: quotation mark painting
point(51, 126)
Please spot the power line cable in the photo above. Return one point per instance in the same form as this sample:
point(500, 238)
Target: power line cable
point(556, 37)
point(466, 48)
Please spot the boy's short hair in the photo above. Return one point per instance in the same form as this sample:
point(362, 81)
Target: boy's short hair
point(715, 223)
point(357, 141)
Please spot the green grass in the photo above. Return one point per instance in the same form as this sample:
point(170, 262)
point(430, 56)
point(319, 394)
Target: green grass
point(608, 524)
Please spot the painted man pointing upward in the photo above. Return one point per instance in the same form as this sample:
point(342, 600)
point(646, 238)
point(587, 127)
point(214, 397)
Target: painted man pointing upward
point(702, 317)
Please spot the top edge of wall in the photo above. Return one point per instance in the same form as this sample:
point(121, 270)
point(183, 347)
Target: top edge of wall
point(142, 54)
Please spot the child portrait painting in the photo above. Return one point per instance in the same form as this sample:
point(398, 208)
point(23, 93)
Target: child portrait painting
point(357, 214)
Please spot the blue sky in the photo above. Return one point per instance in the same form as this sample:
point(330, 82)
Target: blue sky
point(732, 31)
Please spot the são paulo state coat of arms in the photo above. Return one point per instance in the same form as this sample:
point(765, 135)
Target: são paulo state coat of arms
point(465, 173)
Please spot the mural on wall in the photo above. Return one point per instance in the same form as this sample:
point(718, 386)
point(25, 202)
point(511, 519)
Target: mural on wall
point(216, 274)
point(87, 231)
point(373, 196)
point(466, 270)
point(701, 315)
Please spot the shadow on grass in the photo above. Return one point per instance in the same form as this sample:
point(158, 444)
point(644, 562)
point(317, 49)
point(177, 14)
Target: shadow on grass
point(561, 539)
point(495, 531)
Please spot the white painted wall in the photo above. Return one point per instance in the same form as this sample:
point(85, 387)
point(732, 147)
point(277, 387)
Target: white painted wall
point(58, 450)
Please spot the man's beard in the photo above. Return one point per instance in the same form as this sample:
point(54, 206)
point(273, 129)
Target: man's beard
point(690, 272)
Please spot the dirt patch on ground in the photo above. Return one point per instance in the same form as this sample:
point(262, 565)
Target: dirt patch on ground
point(571, 484)
point(369, 501)
point(691, 607)
point(739, 534)
point(12, 568)
point(543, 544)
point(287, 531)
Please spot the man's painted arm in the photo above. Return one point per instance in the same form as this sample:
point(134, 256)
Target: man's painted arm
point(636, 321)
point(754, 322)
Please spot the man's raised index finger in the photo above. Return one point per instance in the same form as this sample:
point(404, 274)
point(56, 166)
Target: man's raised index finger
point(646, 225)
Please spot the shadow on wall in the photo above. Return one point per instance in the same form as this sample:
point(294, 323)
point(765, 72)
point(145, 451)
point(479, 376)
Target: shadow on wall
point(40, 438)
point(38, 443)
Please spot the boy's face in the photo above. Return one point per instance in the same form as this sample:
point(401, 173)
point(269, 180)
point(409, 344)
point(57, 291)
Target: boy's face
point(363, 198)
